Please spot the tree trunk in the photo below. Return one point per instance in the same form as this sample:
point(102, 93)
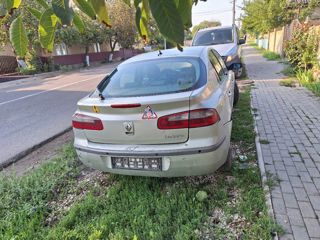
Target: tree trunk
point(112, 47)
point(87, 56)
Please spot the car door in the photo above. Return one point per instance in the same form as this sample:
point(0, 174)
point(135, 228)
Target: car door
point(225, 81)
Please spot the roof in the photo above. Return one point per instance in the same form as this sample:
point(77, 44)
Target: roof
point(187, 52)
point(212, 28)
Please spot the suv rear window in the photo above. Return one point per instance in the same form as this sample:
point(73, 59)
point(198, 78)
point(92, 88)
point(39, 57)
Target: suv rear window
point(212, 37)
point(155, 77)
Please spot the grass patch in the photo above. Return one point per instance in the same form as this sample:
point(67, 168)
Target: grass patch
point(270, 56)
point(140, 207)
point(288, 82)
point(244, 75)
point(263, 141)
point(289, 71)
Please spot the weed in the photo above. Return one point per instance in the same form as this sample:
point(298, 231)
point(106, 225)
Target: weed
point(289, 71)
point(288, 82)
point(263, 141)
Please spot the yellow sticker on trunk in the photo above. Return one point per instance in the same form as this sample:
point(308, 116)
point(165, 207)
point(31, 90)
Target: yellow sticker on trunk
point(95, 109)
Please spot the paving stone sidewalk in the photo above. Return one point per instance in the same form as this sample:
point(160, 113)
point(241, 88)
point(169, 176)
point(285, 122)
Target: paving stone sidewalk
point(289, 118)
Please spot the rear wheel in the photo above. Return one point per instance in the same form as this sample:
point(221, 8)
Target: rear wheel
point(227, 166)
point(236, 94)
point(238, 73)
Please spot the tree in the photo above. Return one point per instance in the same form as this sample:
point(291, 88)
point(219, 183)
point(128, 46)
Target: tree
point(261, 16)
point(172, 17)
point(205, 24)
point(123, 31)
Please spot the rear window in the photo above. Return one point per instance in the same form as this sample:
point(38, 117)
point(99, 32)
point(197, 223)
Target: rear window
point(212, 37)
point(155, 77)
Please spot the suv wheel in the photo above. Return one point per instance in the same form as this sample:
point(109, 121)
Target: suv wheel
point(236, 94)
point(238, 73)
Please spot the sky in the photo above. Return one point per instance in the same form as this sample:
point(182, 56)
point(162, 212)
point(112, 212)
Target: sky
point(220, 10)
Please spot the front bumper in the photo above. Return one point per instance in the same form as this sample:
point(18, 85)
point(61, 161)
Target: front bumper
point(175, 162)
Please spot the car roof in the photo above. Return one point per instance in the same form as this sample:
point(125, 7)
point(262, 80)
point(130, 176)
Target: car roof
point(212, 28)
point(196, 51)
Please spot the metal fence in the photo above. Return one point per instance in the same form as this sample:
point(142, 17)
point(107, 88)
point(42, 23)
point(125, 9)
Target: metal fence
point(8, 64)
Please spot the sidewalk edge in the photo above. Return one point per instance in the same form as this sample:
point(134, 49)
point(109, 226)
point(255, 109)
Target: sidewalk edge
point(22, 154)
point(266, 188)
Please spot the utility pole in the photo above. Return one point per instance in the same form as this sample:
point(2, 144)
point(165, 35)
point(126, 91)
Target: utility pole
point(234, 12)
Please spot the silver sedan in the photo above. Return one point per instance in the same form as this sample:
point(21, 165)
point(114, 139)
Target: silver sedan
point(162, 114)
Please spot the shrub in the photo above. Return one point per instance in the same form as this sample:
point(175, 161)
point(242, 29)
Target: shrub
point(303, 48)
point(26, 71)
point(305, 76)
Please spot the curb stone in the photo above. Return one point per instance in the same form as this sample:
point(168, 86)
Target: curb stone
point(22, 154)
point(266, 188)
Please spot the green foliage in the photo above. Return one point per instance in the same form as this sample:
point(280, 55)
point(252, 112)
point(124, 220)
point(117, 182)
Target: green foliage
point(205, 24)
point(171, 17)
point(271, 56)
point(305, 76)
point(26, 71)
point(289, 71)
point(302, 49)
point(23, 205)
point(18, 37)
point(263, 16)
point(100, 8)
point(47, 28)
point(63, 10)
point(288, 82)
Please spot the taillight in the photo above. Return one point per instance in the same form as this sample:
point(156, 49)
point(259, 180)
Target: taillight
point(189, 119)
point(82, 121)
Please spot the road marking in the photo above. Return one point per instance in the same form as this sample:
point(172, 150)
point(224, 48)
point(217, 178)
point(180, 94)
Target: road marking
point(38, 93)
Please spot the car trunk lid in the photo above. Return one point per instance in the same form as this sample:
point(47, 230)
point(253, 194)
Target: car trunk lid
point(133, 120)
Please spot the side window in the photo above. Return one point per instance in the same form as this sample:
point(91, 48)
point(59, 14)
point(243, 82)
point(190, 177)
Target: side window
point(222, 63)
point(217, 66)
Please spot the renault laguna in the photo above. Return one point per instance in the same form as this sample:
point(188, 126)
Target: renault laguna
point(162, 114)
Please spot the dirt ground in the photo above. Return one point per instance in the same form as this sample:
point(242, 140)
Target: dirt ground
point(44, 153)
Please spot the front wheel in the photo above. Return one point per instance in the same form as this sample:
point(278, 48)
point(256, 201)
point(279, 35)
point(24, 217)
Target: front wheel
point(238, 73)
point(236, 94)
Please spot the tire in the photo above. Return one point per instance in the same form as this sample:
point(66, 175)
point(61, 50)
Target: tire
point(238, 73)
point(227, 166)
point(236, 94)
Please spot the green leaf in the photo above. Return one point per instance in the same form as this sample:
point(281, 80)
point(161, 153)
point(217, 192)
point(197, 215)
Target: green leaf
point(169, 22)
point(34, 12)
point(63, 10)
point(18, 37)
point(78, 23)
point(145, 15)
point(136, 3)
point(86, 7)
point(43, 3)
point(3, 12)
point(100, 8)
point(185, 10)
point(138, 18)
point(10, 5)
point(47, 27)
point(127, 2)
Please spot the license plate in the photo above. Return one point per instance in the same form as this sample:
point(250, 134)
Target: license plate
point(137, 163)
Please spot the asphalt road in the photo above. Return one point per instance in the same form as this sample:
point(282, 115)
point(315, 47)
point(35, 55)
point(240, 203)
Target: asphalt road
point(32, 111)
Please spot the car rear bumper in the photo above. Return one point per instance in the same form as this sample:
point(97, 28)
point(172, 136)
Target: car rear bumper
point(175, 162)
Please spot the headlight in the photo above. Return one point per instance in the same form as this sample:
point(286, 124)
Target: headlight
point(230, 58)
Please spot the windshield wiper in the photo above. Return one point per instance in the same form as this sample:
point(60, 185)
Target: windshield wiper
point(100, 95)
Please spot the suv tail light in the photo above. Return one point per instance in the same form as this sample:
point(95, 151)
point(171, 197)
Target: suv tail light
point(82, 121)
point(189, 119)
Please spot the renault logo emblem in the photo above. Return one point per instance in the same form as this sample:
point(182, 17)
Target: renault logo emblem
point(128, 126)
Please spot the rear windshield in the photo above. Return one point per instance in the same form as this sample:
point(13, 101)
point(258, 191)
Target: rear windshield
point(155, 77)
point(212, 37)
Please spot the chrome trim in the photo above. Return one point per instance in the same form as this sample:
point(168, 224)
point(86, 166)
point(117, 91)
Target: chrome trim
point(152, 153)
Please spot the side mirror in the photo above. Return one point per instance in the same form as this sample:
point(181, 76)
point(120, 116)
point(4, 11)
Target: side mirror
point(242, 41)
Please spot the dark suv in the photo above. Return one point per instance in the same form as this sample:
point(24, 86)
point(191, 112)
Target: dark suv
point(226, 40)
